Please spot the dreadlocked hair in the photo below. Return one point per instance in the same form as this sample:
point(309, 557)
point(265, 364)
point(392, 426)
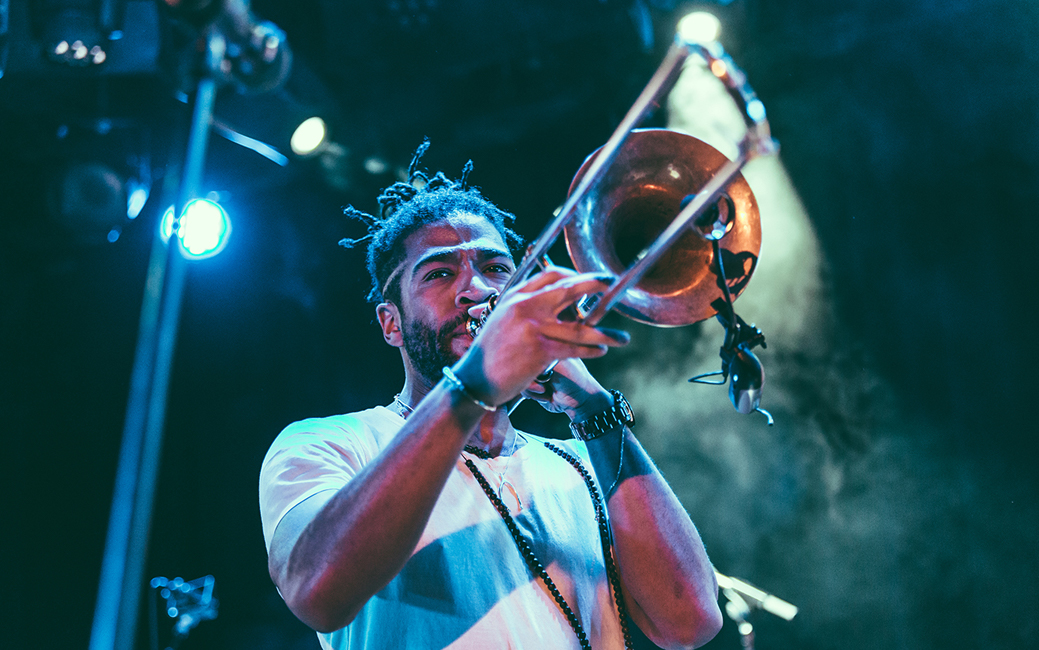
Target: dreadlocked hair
point(405, 207)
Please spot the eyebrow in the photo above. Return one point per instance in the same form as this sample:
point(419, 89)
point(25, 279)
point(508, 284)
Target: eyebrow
point(483, 254)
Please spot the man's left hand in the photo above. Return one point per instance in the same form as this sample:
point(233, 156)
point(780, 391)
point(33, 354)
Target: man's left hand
point(571, 390)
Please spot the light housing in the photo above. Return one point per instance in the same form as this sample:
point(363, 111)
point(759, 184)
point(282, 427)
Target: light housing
point(203, 228)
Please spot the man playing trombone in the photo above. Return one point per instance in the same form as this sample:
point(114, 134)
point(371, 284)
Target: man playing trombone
point(432, 522)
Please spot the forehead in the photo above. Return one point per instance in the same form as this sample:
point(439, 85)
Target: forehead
point(459, 232)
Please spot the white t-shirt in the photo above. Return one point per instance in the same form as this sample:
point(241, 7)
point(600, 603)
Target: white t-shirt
point(466, 584)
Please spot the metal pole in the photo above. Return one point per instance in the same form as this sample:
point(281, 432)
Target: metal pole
point(122, 565)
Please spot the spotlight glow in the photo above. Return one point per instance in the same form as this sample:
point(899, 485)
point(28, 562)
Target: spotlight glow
point(308, 136)
point(203, 230)
point(135, 202)
point(699, 27)
point(375, 165)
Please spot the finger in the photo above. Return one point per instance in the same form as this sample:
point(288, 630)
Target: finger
point(568, 332)
point(535, 390)
point(564, 350)
point(587, 351)
point(561, 278)
point(566, 291)
point(544, 393)
point(545, 278)
point(542, 400)
point(533, 393)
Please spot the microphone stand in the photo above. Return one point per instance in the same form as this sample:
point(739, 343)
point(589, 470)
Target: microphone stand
point(742, 597)
point(739, 612)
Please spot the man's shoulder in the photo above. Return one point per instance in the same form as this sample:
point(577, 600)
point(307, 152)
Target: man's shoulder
point(375, 424)
point(378, 416)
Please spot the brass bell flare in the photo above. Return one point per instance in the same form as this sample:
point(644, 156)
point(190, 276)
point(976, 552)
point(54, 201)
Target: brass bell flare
point(655, 173)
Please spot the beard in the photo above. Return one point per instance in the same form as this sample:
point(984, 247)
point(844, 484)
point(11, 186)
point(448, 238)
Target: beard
point(430, 349)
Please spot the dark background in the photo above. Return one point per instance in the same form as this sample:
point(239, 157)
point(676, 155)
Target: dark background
point(894, 501)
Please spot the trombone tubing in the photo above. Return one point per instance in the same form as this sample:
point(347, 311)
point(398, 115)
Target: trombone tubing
point(662, 82)
point(757, 141)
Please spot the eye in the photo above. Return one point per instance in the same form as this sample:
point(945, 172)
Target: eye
point(436, 274)
point(498, 268)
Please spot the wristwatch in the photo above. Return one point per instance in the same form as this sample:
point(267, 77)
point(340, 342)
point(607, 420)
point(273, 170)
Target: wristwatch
point(605, 421)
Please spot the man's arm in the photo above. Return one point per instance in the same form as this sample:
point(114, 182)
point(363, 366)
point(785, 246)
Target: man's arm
point(669, 584)
point(328, 556)
point(668, 580)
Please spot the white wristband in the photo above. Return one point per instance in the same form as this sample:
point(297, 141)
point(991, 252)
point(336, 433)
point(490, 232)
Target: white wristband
point(457, 385)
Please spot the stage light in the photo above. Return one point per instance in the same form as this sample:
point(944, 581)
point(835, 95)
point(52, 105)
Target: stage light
point(375, 165)
point(136, 200)
point(308, 136)
point(699, 27)
point(203, 230)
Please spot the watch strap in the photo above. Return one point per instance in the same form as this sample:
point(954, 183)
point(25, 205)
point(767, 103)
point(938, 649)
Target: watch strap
point(605, 421)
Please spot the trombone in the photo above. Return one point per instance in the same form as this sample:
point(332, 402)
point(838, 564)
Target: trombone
point(632, 185)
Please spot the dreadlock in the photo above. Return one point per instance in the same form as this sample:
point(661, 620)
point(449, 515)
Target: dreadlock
point(405, 207)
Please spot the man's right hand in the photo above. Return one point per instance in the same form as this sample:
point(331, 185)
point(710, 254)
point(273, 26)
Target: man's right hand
point(524, 334)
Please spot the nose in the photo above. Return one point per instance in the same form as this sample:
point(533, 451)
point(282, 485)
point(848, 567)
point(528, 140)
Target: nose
point(474, 289)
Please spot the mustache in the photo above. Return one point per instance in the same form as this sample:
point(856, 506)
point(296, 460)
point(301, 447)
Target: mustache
point(453, 324)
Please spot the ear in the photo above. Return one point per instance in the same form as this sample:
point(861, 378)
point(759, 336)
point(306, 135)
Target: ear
point(390, 322)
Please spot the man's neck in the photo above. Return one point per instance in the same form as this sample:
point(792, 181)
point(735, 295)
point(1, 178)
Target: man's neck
point(494, 435)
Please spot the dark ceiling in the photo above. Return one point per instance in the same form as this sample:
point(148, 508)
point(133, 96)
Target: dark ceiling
point(909, 128)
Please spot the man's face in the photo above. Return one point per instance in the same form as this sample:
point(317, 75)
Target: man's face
point(449, 267)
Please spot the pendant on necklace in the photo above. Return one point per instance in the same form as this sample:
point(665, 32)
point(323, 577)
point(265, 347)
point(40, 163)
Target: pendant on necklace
point(514, 497)
point(507, 492)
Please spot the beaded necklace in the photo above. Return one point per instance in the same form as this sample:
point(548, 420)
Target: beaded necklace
point(526, 550)
point(537, 568)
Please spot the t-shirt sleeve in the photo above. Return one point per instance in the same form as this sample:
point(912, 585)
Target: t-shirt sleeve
point(309, 457)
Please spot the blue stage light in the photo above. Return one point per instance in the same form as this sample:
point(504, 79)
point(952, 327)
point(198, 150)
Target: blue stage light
point(203, 230)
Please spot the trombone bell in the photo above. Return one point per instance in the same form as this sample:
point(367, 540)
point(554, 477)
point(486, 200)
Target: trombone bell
point(654, 174)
